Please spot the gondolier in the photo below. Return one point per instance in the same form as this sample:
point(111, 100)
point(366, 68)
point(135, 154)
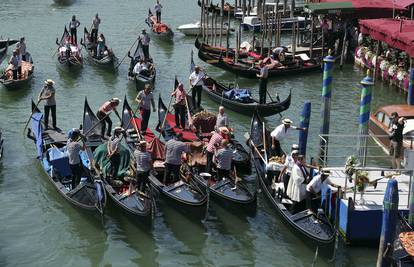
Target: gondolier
point(214, 142)
point(224, 158)
point(196, 84)
point(264, 73)
point(179, 106)
point(48, 94)
point(222, 119)
point(21, 45)
point(95, 27)
point(103, 114)
point(157, 9)
point(300, 177)
point(73, 25)
point(314, 187)
point(396, 139)
point(279, 133)
point(145, 99)
point(73, 148)
point(14, 62)
point(113, 150)
point(174, 148)
point(145, 41)
point(143, 162)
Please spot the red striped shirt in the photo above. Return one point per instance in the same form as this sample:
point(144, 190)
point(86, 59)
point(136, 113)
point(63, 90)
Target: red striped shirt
point(214, 140)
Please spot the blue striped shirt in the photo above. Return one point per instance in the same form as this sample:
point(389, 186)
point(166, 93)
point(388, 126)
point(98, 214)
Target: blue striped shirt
point(224, 157)
point(143, 161)
point(173, 151)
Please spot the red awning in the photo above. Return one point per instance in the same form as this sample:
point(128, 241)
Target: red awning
point(377, 4)
point(405, 3)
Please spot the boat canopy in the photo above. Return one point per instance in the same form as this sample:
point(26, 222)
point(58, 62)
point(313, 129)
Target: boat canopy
point(397, 33)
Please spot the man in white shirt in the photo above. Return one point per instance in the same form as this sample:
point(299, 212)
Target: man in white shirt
point(314, 187)
point(145, 41)
point(157, 9)
point(286, 172)
point(95, 27)
point(196, 83)
point(279, 133)
point(140, 68)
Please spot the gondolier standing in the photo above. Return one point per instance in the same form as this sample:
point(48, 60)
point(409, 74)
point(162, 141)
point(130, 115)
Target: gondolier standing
point(113, 150)
point(224, 157)
point(14, 61)
point(73, 148)
point(222, 119)
point(48, 94)
point(21, 45)
point(174, 148)
point(264, 72)
point(279, 133)
point(143, 164)
point(73, 25)
point(157, 9)
point(179, 106)
point(95, 27)
point(196, 84)
point(103, 114)
point(145, 99)
point(145, 41)
point(214, 142)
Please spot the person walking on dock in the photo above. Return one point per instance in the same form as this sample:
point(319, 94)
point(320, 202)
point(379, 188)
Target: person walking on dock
point(264, 72)
point(196, 84)
point(73, 25)
point(145, 41)
point(280, 133)
point(73, 148)
point(157, 9)
point(103, 114)
point(48, 94)
point(174, 149)
point(396, 139)
point(95, 28)
point(145, 99)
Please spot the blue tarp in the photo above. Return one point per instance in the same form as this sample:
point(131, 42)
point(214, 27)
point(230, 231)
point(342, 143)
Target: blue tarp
point(60, 161)
point(241, 95)
point(37, 131)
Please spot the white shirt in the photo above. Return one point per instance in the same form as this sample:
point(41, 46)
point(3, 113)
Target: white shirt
point(289, 163)
point(145, 39)
point(139, 67)
point(298, 189)
point(280, 132)
point(316, 184)
point(196, 79)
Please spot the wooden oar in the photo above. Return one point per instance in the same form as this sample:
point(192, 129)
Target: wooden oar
point(190, 119)
point(264, 140)
point(31, 114)
point(247, 136)
point(126, 53)
point(236, 178)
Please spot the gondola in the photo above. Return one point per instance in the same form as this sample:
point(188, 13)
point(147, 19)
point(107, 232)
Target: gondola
point(3, 52)
point(64, 2)
point(182, 195)
point(314, 228)
point(50, 144)
point(66, 60)
point(228, 8)
point(403, 255)
point(26, 76)
point(217, 50)
point(8, 42)
point(141, 79)
point(91, 127)
point(241, 157)
point(247, 69)
point(160, 30)
point(107, 59)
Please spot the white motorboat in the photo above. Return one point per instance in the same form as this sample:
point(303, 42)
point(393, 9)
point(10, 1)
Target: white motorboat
point(195, 29)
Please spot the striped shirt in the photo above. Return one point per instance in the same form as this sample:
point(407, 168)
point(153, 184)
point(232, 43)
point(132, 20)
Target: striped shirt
point(179, 96)
point(173, 151)
point(143, 160)
point(224, 157)
point(214, 140)
point(114, 143)
point(146, 100)
point(22, 48)
point(145, 39)
point(14, 61)
point(222, 120)
point(106, 107)
point(264, 72)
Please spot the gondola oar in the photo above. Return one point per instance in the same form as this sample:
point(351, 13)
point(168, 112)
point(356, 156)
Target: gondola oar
point(31, 114)
point(247, 136)
point(127, 53)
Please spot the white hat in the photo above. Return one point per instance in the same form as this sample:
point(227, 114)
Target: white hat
point(116, 99)
point(142, 143)
point(118, 129)
point(49, 82)
point(287, 121)
point(295, 147)
point(295, 152)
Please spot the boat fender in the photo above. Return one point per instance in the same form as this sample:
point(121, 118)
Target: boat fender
point(98, 187)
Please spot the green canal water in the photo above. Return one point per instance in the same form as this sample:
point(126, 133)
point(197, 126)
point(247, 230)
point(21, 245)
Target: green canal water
point(38, 228)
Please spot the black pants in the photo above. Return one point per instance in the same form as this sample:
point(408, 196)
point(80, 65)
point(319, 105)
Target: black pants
point(24, 57)
point(107, 120)
point(94, 35)
point(19, 71)
point(145, 49)
point(196, 91)
point(15, 74)
point(209, 166)
point(142, 180)
point(145, 114)
point(262, 91)
point(222, 173)
point(74, 35)
point(47, 111)
point(158, 14)
point(286, 178)
point(115, 161)
point(179, 111)
point(76, 170)
point(171, 170)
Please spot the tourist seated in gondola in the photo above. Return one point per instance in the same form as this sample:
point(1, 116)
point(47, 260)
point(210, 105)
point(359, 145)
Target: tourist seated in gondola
point(223, 159)
point(179, 106)
point(174, 149)
point(314, 187)
point(280, 133)
point(73, 149)
point(101, 46)
point(142, 68)
point(113, 149)
point(68, 51)
point(279, 53)
point(143, 164)
point(286, 172)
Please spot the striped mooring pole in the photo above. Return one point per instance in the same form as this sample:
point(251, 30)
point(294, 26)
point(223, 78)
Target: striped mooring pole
point(304, 123)
point(411, 206)
point(326, 105)
point(410, 96)
point(364, 113)
point(389, 223)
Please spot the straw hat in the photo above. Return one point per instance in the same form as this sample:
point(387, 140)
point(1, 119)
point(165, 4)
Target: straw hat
point(115, 99)
point(49, 82)
point(295, 147)
point(118, 129)
point(287, 121)
point(295, 152)
point(224, 130)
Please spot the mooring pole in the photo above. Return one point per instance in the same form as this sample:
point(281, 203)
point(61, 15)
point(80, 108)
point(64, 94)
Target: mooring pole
point(411, 202)
point(364, 113)
point(304, 123)
point(410, 95)
point(389, 223)
point(326, 106)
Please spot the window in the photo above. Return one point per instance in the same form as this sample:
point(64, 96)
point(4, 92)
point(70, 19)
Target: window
point(380, 116)
point(387, 121)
